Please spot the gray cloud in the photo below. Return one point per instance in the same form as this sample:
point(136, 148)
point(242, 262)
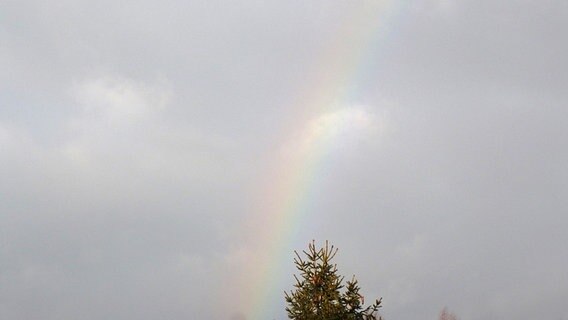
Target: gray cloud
point(134, 136)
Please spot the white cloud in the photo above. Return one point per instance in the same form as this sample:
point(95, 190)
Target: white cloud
point(5, 136)
point(437, 7)
point(118, 100)
point(338, 128)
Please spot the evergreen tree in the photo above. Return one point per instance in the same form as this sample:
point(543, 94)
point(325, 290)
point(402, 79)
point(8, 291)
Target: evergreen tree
point(318, 290)
point(446, 315)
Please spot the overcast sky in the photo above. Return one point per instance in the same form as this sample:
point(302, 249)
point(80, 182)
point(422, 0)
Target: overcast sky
point(142, 144)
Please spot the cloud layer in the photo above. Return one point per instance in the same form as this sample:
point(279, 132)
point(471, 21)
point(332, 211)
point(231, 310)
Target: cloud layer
point(134, 137)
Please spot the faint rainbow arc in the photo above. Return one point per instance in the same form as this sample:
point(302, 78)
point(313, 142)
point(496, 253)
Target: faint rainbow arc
point(286, 197)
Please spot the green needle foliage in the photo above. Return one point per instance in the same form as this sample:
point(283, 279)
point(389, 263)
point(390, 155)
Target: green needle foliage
point(318, 290)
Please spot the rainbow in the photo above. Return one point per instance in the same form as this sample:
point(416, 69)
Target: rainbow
point(284, 199)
